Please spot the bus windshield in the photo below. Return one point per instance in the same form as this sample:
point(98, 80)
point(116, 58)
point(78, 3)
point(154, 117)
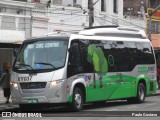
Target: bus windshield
point(41, 55)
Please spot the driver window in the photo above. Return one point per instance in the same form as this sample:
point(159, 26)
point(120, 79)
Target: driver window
point(74, 63)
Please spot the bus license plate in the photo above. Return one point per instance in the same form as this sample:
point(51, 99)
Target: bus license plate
point(33, 101)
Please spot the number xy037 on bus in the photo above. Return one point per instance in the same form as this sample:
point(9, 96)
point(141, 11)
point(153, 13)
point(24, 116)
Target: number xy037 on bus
point(95, 65)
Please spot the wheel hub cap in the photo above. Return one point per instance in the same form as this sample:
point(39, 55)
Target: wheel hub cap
point(78, 100)
point(141, 93)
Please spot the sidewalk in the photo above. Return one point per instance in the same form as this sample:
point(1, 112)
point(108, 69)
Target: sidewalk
point(5, 107)
point(3, 100)
point(157, 93)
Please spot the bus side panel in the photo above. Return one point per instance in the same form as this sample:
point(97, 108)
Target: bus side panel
point(97, 93)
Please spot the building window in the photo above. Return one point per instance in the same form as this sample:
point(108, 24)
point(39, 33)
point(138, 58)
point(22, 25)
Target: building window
point(115, 6)
point(8, 23)
point(57, 2)
point(74, 1)
point(21, 0)
point(102, 5)
point(155, 27)
point(36, 1)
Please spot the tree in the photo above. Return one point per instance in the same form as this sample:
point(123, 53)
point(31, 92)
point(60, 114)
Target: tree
point(48, 4)
point(97, 58)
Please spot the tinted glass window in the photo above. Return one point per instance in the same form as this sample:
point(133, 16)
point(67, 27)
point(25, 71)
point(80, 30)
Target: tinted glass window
point(121, 56)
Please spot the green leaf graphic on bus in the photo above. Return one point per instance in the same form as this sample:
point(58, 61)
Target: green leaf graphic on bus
point(96, 57)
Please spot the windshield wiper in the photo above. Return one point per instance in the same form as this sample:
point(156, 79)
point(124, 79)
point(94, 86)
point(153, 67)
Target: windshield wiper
point(46, 64)
point(27, 66)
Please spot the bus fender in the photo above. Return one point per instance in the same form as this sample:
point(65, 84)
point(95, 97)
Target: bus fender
point(143, 79)
point(76, 81)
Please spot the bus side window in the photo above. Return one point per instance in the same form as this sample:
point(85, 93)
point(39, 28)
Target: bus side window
point(74, 63)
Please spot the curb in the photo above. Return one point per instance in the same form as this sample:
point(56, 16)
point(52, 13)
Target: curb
point(10, 107)
point(156, 94)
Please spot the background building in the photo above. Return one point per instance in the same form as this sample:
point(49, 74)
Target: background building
point(15, 17)
point(155, 26)
point(72, 15)
point(15, 26)
point(39, 18)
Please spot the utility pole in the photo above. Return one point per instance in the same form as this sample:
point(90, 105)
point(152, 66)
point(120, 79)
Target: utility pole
point(91, 12)
point(150, 13)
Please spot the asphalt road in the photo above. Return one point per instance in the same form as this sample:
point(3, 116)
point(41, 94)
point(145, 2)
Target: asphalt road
point(119, 107)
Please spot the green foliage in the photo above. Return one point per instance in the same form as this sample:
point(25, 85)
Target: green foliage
point(48, 4)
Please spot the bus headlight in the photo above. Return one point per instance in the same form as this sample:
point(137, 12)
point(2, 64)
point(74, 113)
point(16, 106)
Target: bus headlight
point(14, 85)
point(55, 82)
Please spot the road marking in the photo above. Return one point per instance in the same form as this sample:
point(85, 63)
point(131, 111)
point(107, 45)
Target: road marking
point(150, 104)
point(112, 110)
point(132, 106)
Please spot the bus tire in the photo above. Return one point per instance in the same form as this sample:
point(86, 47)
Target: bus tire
point(77, 100)
point(141, 93)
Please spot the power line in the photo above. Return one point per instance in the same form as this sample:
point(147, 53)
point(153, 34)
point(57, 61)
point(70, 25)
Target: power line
point(43, 10)
point(126, 21)
point(62, 14)
point(113, 17)
point(112, 22)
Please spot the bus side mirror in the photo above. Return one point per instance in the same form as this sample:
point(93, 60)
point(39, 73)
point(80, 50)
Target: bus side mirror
point(15, 52)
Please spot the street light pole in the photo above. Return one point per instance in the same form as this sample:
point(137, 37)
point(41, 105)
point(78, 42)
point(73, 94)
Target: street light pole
point(150, 13)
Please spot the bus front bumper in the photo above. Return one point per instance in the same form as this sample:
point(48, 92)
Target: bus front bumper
point(56, 94)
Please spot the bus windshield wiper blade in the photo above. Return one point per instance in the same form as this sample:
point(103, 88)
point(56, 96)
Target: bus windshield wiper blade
point(27, 66)
point(46, 64)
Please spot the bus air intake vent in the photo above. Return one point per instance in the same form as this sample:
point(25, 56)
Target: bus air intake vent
point(33, 85)
point(151, 86)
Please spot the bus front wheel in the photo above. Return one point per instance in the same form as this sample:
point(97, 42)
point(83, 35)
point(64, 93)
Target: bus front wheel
point(77, 100)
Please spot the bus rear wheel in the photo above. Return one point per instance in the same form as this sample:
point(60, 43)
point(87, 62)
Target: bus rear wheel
point(77, 100)
point(141, 93)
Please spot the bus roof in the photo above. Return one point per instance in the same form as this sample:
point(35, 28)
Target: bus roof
point(116, 31)
point(108, 38)
point(47, 38)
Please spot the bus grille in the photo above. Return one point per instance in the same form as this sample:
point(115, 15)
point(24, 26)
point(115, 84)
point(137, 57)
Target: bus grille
point(33, 85)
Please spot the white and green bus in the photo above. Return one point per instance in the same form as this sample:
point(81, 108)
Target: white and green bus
point(95, 65)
